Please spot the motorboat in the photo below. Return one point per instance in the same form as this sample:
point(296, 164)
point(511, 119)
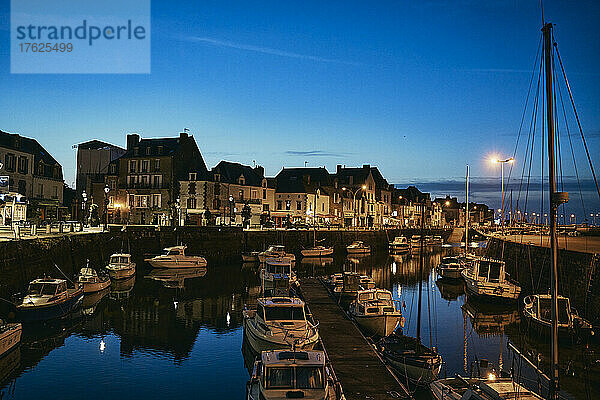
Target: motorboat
point(317, 251)
point(376, 312)
point(279, 323)
point(10, 336)
point(428, 240)
point(349, 283)
point(455, 387)
point(279, 268)
point(250, 256)
point(358, 247)
point(91, 281)
point(49, 298)
point(450, 268)
point(460, 388)
point(415, 241)
point(399, 245)
point(175, 277)
point(274, 251)
point(436, 240)
point(175, 257)
point(285, 374)
point(410, 358)
point(538, 311)
point(120, 266)
point(487, 279)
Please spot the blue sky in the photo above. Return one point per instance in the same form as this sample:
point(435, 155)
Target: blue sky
point(417, 88)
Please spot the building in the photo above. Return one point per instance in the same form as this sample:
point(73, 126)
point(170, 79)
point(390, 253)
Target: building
point(409, 205)
point(33, 173)
point(229, 194)
point(143, 184)
point(453, 212)
point(93, 159)
point(302, 196)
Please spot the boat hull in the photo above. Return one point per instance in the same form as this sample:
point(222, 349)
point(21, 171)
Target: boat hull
point(96, 286)
point(399, 249)
point(54, 311)
point(358, 251)
point(124, 273)
point(250, 257)
point(317, 253)
point(10, 338)
point(417, 374)
point(380, 325)
point(195, 263)
point(489, 291)
point(260, 343)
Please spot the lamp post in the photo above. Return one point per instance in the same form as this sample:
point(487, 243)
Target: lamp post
point(363, 187)
point(502, 162)
point(230, 208)
point(83, 208)
point(106, 190)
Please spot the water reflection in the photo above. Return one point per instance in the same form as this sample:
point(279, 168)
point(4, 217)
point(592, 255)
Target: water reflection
point(175, 277)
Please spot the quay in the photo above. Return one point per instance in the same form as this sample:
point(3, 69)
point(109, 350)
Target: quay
point(580, 244)
point(359, 369)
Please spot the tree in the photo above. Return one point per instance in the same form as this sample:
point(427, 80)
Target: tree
point(246, 215)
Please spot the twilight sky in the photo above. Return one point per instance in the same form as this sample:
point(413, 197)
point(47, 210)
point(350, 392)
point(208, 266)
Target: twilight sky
point(419, 88)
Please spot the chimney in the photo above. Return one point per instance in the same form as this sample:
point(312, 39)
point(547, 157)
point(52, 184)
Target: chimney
point(183, 135)
point(366, 166)
point(133, 139)
point(260, 171)
point(338, 169)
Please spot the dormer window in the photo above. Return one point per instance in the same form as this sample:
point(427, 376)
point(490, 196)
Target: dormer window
point(192, 176)
point(241, 180)
point(159, 149)
point(148, 149)
point(264, 183)
point(217, 178)
point(136, 151)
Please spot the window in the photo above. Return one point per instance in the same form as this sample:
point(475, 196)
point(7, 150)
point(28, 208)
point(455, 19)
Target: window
point(279, 205)
point(55, 192)
point(264, 194)
point(140, 201)
point(265, 207)
point(9, 161)
point(192, 176)
point(157, 181)
point(254, 194)
point(241, 195)
point(288, 205)
point(156, 200)
point(241, 180)
point(298, 205)
point(132, 165)
point(192, 188)
point(113, 168)
point(191, 202)
point(323, 207)
point(40, 190)
point(284, 313)
point(157, 163)
point(144, 180)
point(111, 201)
point(131, 201)
point(112, 184)
point(148, 149)
point(217, 178)
point(279, 378)
point(22, 165)
point(145, 165)
point(160, 149)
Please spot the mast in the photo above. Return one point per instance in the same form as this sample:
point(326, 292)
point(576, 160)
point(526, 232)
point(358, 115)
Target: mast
point(556, 198)
point(420, 273)
point(467, 215)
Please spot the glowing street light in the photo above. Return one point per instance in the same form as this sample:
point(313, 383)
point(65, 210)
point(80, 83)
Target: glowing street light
point(502, 162)
point(363, 187)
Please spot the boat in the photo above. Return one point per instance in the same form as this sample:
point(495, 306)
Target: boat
point(174, 278)
point(437, 240)
point(275, 250)
point(490, 319)
point(406, 354)
point(175, 257)
point(415, 241)
point(399, 245)
point(317, 251)
point(10, 336)
point(91, 281)
point(347, 284)
point(120, 266)
point(450, 289)
point(487, 279)
point(454, 388)
point(358, 247)
point(47, 299)
point(279, 268)
point(376, 312)
point(538, 311)
point(279, 323)
point(285, 374)
point(450, 268)
point(250, 256)
point(90, 301)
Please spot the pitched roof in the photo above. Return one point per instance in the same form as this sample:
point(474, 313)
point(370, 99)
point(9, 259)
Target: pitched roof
point(97, 144)
point(302, 180)
point(24, 144)
point(230, 172)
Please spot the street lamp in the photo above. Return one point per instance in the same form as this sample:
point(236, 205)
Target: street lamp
point(106, 190)
point(502, 162)
point(230, 208)
point(83, 208)
point(363, 187)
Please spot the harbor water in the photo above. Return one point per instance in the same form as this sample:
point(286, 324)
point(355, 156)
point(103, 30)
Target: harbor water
point(178, 334)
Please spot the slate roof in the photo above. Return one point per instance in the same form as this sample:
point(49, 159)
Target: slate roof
point(24, 144)
point(302, 180)
point(97, 144)
point(230, 172)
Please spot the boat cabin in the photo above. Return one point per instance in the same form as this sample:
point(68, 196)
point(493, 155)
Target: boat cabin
point(87, 275)
point(400, 240)
point(279, 268)
point(280, 309)
point(174, 251)
point(489, 270)
point(289, 370)
point(120, 259)
point(374, 301)
point(542, 308)
point(46, 287)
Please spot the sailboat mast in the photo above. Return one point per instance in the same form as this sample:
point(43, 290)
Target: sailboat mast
point(420, 273)
point(554, 201)
point(467, 215)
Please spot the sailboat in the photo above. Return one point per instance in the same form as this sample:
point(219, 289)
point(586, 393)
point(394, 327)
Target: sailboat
point(317, 251)
point(407, 355)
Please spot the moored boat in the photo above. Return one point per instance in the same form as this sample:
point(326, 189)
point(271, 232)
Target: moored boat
point(487, 279)
point(48, 299)
point(538, 311)
point(175, 257)
point(358, 247)
point(415, 241)
point(450, 268)
point(91, 281)
point(279, 323)
point(348, 284)
point(120, 266)
point(285, 374)
point(274, 251)
point(250, 256)
point(279, 268)
point(399, 245)
point(376, 312)
point(317, 251)
point(10, 336)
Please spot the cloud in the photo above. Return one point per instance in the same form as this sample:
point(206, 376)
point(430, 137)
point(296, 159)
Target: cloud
point(316, 153)
point(265, 50)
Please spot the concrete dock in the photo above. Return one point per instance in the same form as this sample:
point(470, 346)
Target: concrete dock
point(360, 371)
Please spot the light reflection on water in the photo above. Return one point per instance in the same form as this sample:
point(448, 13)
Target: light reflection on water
point(175, 338)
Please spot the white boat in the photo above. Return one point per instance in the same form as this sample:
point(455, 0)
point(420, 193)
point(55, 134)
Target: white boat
point(415, 241)
point(411, 359)
point(480, 389)
point(250, 256)
point(350, 283)
point(120, 266)
point(91, 281)
point(275, 250)
point(450, 268)
point(10, 336)
point(317, 251)
point(487, 279)
point(283, 374)
point(399, 245)
point(376, 312)
point(47, 299)
point(358, 247)
point(279, 268)
point(279, 323)
point(538, 311)
point(175, 257)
